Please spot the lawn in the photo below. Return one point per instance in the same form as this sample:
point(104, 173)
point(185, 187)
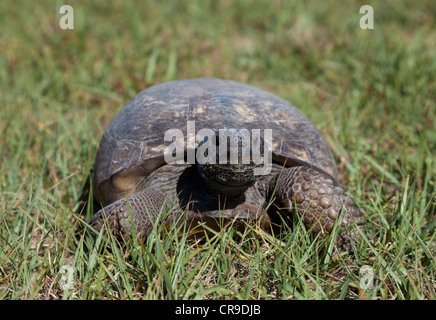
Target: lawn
point(371, 92)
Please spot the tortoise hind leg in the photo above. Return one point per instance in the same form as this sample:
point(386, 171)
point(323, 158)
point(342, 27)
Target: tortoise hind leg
point(141, 209)
point(319, 201)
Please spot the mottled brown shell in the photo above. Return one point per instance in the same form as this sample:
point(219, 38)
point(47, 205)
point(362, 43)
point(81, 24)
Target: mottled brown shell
point(133, 144)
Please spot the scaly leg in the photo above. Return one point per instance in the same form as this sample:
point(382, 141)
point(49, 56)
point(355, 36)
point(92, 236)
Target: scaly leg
point(319, 201)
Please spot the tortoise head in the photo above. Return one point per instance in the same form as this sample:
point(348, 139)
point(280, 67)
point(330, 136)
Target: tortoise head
point(226, 161)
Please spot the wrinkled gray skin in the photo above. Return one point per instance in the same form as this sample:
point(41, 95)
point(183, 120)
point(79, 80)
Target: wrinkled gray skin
point(131, 176)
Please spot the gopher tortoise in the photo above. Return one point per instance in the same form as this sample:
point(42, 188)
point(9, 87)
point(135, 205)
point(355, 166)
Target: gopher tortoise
point(180, 148)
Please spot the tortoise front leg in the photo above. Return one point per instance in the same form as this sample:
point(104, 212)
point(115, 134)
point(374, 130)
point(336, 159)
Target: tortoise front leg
point(141, 210)
point(319, 201)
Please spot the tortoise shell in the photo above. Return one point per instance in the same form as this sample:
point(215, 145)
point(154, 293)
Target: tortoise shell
point(133, 144)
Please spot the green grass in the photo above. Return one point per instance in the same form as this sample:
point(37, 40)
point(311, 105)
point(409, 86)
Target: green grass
point(370, 92)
